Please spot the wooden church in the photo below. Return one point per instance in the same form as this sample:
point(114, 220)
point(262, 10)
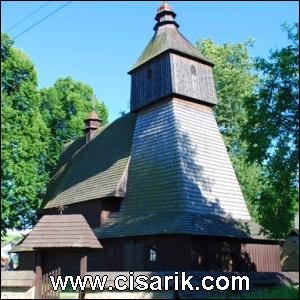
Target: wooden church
point(154, 190)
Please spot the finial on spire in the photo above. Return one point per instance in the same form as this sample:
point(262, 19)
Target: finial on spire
point(164, 6)
point(165, 15)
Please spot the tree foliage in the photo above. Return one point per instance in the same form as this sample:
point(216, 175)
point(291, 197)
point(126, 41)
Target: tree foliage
point(234, 83)
point(24, 139)
point(35, 126)
point(64, 107)
point(272, 133)
point(258, 117)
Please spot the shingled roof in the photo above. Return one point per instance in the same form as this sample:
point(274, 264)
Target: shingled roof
point(172, 222)
point(180, 178)
point(168, 38)
point(59, 231)
point(93, 170)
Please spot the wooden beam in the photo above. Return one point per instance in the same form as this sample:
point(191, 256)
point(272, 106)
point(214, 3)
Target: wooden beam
point(83, 270)
point(38, 275)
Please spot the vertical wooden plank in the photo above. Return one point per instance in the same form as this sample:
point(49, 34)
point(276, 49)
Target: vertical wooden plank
point(38, 275)
point(83, 270)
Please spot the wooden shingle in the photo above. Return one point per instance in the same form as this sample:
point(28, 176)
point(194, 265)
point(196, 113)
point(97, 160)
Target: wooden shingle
point(180, 179)
point(59, 231)
point(95, 170)
point(168, 39)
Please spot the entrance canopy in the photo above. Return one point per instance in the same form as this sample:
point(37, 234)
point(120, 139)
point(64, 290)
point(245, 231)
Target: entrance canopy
point(59, 231)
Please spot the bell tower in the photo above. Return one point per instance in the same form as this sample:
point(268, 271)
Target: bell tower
point(170, 66)
point(179, 161)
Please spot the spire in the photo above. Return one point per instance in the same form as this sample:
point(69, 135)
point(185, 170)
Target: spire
point(165, 15)
point(92, 123)
point(167, 38)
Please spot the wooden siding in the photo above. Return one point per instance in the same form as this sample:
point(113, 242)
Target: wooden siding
point(93, 210)
point(154, 172)
point(179, 163)
point(174, 252)
point(209, 178)
point(265, 257)
point(145, 91)
point(115, 252)
point(200, 86)
point(190, 253)
point(212, 254)
point(171, 74)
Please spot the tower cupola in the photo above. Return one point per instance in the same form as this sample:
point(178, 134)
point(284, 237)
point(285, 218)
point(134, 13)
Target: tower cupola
point(165, 15)
point(170, 66)
point(92, 123)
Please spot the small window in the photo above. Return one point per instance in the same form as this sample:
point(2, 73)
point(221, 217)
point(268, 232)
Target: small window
point(193, 70)
point(149, 74)
point(152, 254)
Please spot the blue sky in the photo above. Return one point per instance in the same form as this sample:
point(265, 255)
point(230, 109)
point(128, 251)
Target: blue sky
point(97, 42)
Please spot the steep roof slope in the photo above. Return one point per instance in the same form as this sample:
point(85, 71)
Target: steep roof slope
point(180, 178)
point(168, 38)
point(95, 170)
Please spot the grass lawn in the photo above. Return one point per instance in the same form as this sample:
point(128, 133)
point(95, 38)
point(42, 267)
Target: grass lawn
point(271, 293)
point(275, 293)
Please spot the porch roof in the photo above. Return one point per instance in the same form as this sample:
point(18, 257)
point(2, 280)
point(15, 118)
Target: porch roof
point(59, 231)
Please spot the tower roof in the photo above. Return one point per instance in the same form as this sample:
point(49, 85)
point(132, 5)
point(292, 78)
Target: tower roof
point(180, 179)
point(168, 38)
point(93, 116)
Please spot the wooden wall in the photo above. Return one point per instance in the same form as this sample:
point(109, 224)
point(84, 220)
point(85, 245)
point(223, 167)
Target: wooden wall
point(172, 74)
point(174, 253)
point(95, 211)
point(145, 90)
point(191, 253)
point(114, 256)
point(198, 84)
point(210, 254)
point(266, 258)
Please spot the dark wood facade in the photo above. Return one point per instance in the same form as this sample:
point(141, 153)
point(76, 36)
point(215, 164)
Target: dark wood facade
point(95, 211)
point(173, 252)
point(182, 252)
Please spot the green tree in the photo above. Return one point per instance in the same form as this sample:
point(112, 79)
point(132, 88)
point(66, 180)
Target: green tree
point(35, 126)
point(272, 133)
point(235, 83)
point(258, 117)
point(24, 139)
point(64, 108)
